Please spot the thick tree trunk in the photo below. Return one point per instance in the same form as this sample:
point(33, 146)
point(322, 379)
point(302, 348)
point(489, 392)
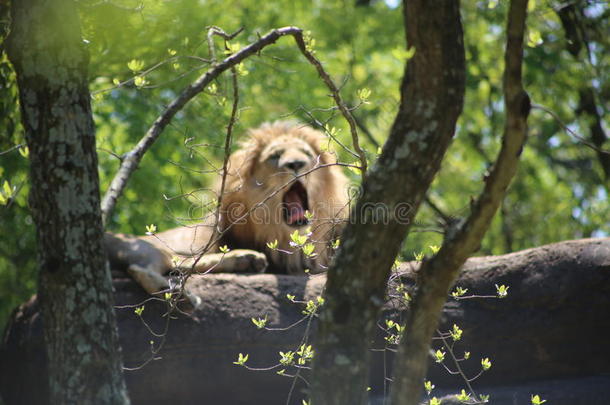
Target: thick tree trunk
point(432, 97)
point(438, 274)
point(49, 55)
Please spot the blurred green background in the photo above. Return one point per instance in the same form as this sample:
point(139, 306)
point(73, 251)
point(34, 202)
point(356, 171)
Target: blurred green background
point(560, 191)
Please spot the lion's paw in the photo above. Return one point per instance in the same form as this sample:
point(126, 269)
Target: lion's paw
point(249, 261)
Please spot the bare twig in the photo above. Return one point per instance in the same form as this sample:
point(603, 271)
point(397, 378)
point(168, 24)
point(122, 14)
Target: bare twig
point(225, 163)
point(12, 148)
point(457, 365)
point(569, 131)
point(366, 132)
point(214, 30)
point(336, 96)
point(447, 219)
point(323, 126)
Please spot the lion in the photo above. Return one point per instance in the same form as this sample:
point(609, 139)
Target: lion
point(283, 206)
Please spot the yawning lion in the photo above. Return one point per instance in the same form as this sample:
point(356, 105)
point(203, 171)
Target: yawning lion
point(284, 204)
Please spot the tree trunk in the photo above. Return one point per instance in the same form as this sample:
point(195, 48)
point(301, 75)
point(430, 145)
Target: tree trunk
point(49, 55)
point(574, 24)
point(438, 274)
point(432, 98)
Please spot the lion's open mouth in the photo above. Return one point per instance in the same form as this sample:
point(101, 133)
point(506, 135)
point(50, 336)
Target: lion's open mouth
point(295, 204)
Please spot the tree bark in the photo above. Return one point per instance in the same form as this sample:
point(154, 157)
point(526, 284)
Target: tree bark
point(438, 274)
point(432, 97)
point(75, 290)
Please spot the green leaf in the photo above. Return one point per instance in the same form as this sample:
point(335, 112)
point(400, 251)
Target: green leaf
point(463, 396)
point(140, 81)
point(8, 191)
point(456, 333)
point(308, 249)
point(135, 65)
point(24, 151)
point(439, 356)
point(536, 400)
point(428, 386)
point(260, 322)
point(287, 358)
point(364, 94)
point(459, 292)
point(486, 364)
point(403, 54)
point(298, 239)
point(151, 229)
point(502, 291)
point(241, 69)
point(232, 48)
point(241, 359)
point(534, 38)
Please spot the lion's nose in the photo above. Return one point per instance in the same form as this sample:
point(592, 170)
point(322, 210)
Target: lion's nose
point(294, 165)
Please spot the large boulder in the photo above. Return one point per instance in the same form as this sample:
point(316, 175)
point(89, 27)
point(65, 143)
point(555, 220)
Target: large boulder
point(551, 330)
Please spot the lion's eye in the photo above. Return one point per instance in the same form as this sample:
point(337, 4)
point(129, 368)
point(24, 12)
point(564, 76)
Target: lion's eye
point(308, 153)
point(276, 155)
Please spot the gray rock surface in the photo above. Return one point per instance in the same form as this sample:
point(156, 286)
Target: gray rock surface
point(551, 330)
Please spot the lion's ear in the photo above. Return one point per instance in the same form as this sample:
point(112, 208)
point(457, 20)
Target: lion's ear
point(318, 142)
point(241, 162)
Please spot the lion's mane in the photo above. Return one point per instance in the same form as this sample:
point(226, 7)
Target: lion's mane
point(251, 206)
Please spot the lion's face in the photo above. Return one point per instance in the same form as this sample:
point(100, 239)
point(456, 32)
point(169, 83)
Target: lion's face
point(284, 165)
point(278, 182)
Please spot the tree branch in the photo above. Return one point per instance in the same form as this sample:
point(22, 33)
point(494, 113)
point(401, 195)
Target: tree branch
point(438, 274)
point(337, 97)
point(572, 16)
point(132, 159)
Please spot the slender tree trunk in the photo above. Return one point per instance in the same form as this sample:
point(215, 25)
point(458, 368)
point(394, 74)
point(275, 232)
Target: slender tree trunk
point(573, 20)
point(49, 55)
point(432, 97)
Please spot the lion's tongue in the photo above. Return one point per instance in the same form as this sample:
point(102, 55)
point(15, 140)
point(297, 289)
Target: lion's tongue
point(294, 204)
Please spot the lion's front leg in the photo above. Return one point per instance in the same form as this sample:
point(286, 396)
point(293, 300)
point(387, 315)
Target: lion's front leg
point(235, 261)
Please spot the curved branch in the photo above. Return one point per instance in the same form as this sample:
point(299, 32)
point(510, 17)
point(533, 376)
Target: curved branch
point(337, 97)
point(132, 159)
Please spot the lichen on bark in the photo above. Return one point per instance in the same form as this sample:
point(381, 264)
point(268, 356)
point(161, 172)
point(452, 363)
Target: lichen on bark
point(46, 48)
